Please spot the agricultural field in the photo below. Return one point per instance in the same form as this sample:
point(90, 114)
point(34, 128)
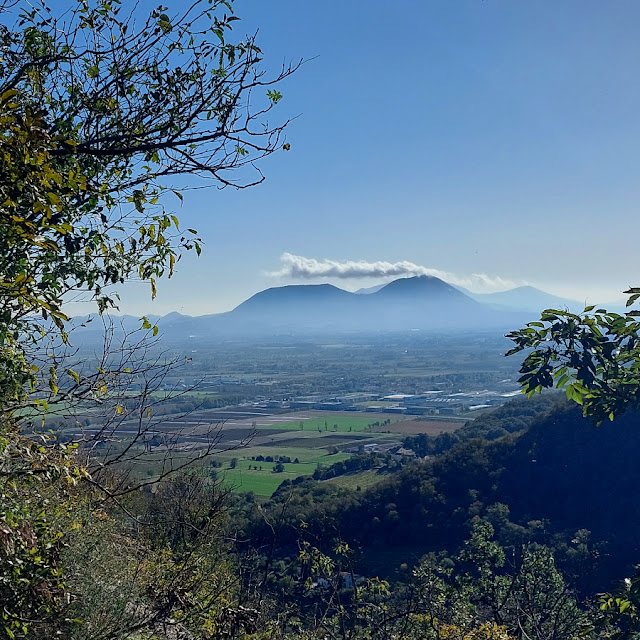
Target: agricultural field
point(243, 473)
point(311, 446)
point(335, 422)
point(249, 443)
point(430, 427)
point(362, 480)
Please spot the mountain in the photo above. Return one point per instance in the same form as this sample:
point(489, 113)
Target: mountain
point(405, 304)
point(298, 308)
point(424, 289)
point(421, 302)
point(418, 303)
point(424, 302)
point(524, 299)
point(368, 290)
point(527, 299)
point(292, 298)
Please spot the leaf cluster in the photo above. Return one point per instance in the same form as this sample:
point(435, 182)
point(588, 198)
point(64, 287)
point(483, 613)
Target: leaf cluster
point(102, 106)
point(594, 356)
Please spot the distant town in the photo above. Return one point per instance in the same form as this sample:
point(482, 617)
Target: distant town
point(432, 403)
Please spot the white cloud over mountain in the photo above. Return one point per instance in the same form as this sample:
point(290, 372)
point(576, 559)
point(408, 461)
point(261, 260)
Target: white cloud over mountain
point(302, 268)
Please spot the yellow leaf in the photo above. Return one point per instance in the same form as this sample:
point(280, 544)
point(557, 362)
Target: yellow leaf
point(7, 95)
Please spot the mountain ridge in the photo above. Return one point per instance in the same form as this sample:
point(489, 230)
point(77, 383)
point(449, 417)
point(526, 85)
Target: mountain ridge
point(405, 304)
point(525, 298)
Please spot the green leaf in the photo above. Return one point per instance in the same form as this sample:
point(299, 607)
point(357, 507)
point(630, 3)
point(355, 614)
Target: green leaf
point(165, 23)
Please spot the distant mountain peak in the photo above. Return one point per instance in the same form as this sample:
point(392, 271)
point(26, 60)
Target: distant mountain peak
point(294, 294)
point(290, 290)
point(526, 298)
point(368, 290)
point(424, 287)
point(406, 304)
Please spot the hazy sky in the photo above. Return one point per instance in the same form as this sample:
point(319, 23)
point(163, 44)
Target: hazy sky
point(496, 142)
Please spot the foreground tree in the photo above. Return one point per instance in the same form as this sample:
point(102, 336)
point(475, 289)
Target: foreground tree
point(100, 109)
point(35, 513)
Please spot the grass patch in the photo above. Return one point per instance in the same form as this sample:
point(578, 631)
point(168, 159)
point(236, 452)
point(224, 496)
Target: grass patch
point(364, 480)
point(258, 475)
point(261, 483)
point(295, 468)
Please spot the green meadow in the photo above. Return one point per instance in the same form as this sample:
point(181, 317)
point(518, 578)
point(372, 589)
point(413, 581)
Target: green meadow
point(259, 475)
point(364, 480)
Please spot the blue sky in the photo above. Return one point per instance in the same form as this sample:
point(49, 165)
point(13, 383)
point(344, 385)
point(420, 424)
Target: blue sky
point(468, 136)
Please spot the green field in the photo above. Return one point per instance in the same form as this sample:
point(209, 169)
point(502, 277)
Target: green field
point(260, 478)
point(265, 482)
point(262, 484)
point(312, 446)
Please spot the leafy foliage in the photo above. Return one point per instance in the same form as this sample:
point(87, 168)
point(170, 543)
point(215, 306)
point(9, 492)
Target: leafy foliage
point(167, 572)
point(34, 515)
point(621, 610)
point(99, 109)
point(595, 356)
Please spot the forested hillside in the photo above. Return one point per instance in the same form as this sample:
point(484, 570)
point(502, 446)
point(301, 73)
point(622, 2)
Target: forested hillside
point(561, 482)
